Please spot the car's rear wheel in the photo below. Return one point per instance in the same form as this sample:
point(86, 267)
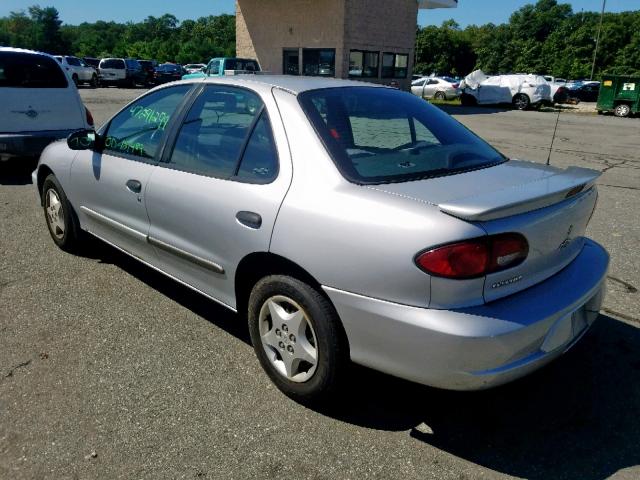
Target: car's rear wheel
point(61, 221)
point(75, 79)
point(440, 96)
point(298, 338)
point(622, 110)
point(521, 101)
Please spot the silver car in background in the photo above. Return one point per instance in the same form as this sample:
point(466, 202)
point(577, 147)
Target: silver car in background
point(440, 88)
point(347, 221)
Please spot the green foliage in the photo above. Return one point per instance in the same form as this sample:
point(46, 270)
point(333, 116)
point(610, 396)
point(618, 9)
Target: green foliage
point(161, 38)
point(546, 37)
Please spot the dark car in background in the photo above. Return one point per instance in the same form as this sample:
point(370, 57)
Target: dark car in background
point(149, 68)
point(168, 72)
point(587, 92)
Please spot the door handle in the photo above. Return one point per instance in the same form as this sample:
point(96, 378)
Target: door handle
point(134, 186)
point(249, 219)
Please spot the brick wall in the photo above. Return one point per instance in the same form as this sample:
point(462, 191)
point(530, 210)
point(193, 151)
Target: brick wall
point(265, 27)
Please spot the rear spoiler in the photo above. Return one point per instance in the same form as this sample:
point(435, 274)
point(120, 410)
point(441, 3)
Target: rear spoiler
point(522, 198)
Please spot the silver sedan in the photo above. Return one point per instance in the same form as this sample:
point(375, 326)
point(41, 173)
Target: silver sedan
point(440, 88)
point(346, 221)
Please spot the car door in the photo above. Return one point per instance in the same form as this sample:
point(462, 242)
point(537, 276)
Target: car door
point(417, 87)
point(108, 186)
point(213, 70)
point(214, 197)
point(431, 87)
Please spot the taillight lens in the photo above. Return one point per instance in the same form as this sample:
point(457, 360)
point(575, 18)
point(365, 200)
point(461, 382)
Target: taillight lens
point(455, 85)
point(476, 257)
point(89, 116)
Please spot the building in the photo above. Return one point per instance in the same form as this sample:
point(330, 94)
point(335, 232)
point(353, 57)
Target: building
point(372, 40)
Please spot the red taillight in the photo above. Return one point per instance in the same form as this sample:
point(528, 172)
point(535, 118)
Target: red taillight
point(89, 116)
point(455, 85)
point(476, 257)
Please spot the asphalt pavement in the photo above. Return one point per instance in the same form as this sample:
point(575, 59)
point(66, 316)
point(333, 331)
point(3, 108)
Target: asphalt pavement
point(110, 370)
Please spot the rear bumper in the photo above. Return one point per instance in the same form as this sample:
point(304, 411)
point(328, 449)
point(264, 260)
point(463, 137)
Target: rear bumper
point(29, 144)
point(477, 347)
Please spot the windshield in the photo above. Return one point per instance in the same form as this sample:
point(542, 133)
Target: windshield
point(169, 68)
point(381, 135)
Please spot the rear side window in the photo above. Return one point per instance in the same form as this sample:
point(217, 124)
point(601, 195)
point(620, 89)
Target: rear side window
point(223, 126)
point(136, 132)
point(114, 63)
point(381, 135)
point(26, 70)
point(132, 64)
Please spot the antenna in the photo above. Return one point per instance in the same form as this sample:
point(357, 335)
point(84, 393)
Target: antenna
point(554, 135)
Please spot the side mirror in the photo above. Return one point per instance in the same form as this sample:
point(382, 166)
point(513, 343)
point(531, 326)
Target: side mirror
point(82, 140)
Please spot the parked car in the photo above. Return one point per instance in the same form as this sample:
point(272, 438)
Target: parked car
point(441, 88)
point(218, 67)
point(345, 221)
point(520, 90)
point(587, 92)
point(78, 70)
point(168, 72)
point(149, 68)
point(194, 67)
point(39, 103)
point(92, 62)
point(123, 72)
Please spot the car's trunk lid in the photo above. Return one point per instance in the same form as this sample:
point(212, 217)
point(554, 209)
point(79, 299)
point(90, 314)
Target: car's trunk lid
point(549, 206)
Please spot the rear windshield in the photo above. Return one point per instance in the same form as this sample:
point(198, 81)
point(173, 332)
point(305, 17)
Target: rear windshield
point(240, 64)
point(114, 63)
point(26, 70)
point(382, 135)
point(169, 68)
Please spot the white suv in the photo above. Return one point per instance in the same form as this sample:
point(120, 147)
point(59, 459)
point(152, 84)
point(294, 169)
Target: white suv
point(39, 103)
point(78, 70)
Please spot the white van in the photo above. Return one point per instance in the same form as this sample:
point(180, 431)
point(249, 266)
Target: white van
point(38, 103)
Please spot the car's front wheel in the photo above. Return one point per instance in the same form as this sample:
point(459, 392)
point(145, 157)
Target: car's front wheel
point(58, 212)
point(298, 338)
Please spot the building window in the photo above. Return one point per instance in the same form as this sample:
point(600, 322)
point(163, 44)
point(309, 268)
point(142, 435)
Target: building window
point(363, 64)
point(394, 65)
point(319, 62)
point(291, 61)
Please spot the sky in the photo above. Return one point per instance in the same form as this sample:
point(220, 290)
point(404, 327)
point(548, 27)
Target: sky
point(468, 11)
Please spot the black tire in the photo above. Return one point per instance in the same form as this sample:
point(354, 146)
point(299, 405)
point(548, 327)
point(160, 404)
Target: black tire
point(440, 96)
point(70, 239)
point(622, 110)
point(331, 347)
point(468, 100)
point(521, 101)
point(75, 79)
point(94, 81)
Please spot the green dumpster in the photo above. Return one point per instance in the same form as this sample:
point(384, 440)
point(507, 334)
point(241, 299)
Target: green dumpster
point(619, 94)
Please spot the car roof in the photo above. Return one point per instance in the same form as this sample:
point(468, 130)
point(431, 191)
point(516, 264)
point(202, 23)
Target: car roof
point(23, 50)
point(290, 83)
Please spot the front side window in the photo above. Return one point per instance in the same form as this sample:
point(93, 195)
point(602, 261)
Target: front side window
point(214, 67)
point(380, 135)
point(319, 62)
point(26, 70)
point(216, 132)
point(73, 61)
point(394, 65)
point(363, 64)
point(136, 132)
